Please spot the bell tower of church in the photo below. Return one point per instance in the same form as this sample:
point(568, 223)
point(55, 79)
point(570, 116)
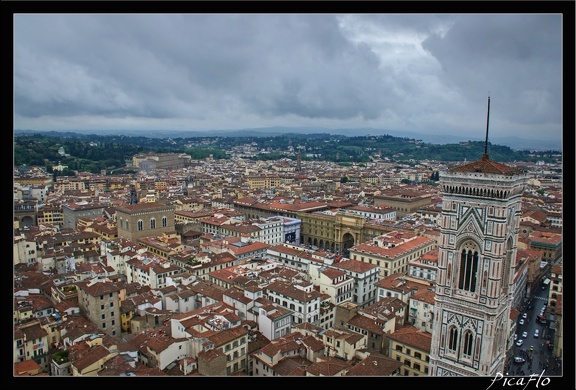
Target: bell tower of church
point(481, 209)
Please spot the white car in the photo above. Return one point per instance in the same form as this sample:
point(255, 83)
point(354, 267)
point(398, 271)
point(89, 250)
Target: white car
point(525, 315)
point(521, 322)
point(536, 333)
point(525, 334)
point(519, 342)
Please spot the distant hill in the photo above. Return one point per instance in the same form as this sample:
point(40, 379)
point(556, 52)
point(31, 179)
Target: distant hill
point(514, 143)
point(96, 151)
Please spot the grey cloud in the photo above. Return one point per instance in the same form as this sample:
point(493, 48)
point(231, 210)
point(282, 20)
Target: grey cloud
point(414, 72)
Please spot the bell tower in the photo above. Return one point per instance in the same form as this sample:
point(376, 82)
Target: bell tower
point(481, 209)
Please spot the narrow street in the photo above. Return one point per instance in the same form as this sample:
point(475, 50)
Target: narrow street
point(540, 359)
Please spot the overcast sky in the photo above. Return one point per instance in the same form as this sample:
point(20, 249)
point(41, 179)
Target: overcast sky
point(425, 73)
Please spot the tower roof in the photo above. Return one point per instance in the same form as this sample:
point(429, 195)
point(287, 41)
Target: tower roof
point(485, 165)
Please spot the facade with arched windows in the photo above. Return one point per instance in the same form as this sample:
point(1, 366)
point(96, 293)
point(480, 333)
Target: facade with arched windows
point(481, 209)
point(144, 219)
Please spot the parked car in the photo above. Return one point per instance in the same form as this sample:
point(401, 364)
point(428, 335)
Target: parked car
point(536, 333)
point(519, 342)
point(519, 359)
point(525, 334)
point(515, 336)
point(525, 315)
point(521, 322)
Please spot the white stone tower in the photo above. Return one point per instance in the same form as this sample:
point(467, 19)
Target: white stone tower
point(481, 209)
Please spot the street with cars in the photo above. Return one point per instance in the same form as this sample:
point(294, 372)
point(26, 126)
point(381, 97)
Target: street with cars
point(532, 352)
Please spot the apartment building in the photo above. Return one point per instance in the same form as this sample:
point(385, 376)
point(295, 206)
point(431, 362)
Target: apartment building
point(30, 343)
point(90, 358)
point(99, 302)
point(411, 346)
point(333, 282)
point(163, 245)
point(301, 298)
point(343, 343)
point(274, 321)
point(157, 349)
point(262, 181)
point(24, 251)
point(393, 251)
point(66, 184)
point(213, 327)
point(271, 230)
point(555, 311)
point(287, 356)
point(364, 275)
point(425, 267)
point(374, 322)
point(149, 270)
point(549, 243)
point(421, 309)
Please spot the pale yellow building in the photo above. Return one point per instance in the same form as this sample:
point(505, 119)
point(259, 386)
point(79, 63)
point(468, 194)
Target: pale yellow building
point(393, 251)
point(411, 346)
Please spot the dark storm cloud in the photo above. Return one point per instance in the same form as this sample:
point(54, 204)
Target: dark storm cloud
point(515, 57)
point(159, 65)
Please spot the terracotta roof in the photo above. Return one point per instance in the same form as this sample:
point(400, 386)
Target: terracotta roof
point(328, 366)
point(375, 364)
point(355, 265)
point(410, 335)
point(485, 165)
point(93, 355)
point(292, 366)
point(26, 367)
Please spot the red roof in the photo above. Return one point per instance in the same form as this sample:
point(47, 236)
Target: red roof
point(485, 165)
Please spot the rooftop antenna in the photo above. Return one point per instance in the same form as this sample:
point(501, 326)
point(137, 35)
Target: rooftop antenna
point(487, 121)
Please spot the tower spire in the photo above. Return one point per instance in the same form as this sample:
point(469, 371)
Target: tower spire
point(487, 121)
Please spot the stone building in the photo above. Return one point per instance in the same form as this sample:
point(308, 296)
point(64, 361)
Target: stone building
point(144, 219)
point(72, 212)
point(99, 301)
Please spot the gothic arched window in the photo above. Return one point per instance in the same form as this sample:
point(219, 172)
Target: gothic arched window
point(453, 339)
point(468, 267)
point(468, 343)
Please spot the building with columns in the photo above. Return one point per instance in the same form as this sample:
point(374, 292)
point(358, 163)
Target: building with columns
point(481, 210)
